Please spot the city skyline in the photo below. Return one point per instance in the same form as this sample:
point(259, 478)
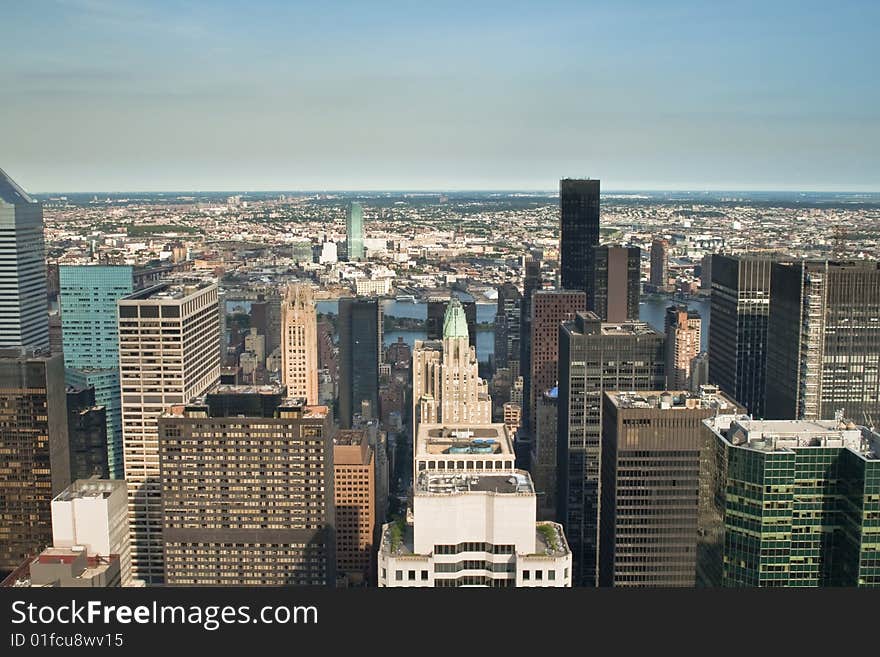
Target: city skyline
point(475, 96)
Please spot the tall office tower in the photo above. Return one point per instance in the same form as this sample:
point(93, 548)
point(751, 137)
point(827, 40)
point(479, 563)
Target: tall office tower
point(738, 331)
point(660, 264)
point(706, 273)
point(654, 485)
point(544, 453)
point(354, 232)
point(34, 442)
point(93, 513)
point(683, 330)
point(262, 463)
point(447, 386)
point(169, 353)
point(618, 283)
point(266, 318)
point(24, 308)
point(87, 433)
point(299, 351)
point(354, 467)
point(360, 322)
point(507, 318)
point(549, 309)
point(578, 235)
point(796, 503)
point(531, 283)
point(823, 341)
point(90, 329)
point(595, 356)
point(437, 315)
point(256, 344)
point(473, 519)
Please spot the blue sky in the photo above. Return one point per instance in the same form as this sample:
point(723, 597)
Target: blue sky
point(107, 95)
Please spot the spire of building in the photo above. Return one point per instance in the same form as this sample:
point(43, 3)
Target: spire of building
point(455, 321)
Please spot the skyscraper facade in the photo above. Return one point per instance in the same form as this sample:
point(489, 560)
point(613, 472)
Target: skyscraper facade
point(507, 330)
point(823, 341)
point(437, 315)
point(795, 503)
point(654, 485)
point(683, 331)
point(299, 351)
point(531, 283)
point(354, 467)
point(594, 356)
point(262, 465)
point(354, 232)
point(87, 433)
point(36, 459)
point(740, 308)
point(90, 333)
point(578, 235)
point(169, 353)
point(618, 283)
point(660, 264)
point(23, 300)
point(360, 345)
point(549, 309)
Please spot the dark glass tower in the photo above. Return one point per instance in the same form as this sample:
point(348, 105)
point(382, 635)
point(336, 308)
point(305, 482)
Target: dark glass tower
point(507, 320)
point(823, 341)
point(738, 331)
point(578, 235)
point(594, 356)
point(359, 348)
point(618, 283)
point(531, 283)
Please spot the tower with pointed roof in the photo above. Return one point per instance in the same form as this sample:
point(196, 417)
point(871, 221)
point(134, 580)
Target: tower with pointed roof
point(24, 321)
point(299, 337)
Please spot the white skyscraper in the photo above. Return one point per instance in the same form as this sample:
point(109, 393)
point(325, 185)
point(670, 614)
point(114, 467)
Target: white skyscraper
point(23, 302)
point(169, 353)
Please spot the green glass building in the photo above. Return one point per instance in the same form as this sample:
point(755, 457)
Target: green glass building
point(90, 335)
point(796, 504)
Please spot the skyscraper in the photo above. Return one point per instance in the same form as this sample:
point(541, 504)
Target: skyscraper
point(299, 351)
point(24, 321)
point(549, 309)
point(531, 283)
point(354, 232)
point(446, 383)
point(823, 341)
point(262, 463)
point(90, 332)
point(654, 485)
point(660, 264)
point(507, 319)
point(169, 353)
point(795, 503)
point(354, 467)
point(578, 235)
point(618, 283)
point(36, 459)
point(594, 356)
point(683, 330)
point(738, 331)
point(360, 345)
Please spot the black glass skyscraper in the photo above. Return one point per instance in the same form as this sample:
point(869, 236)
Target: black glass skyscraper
point(507, 321)
point(359, 346)
point(738, 331)
point(823, 341)
point(578, 235)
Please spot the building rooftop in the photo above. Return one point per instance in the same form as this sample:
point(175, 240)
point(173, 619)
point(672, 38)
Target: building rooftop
point(709, 397)
point(788, 435)
point(10, 192)
point(89, 488)
point(463, 439)
point(455, 321)
point(168, 291)
point(431, 482)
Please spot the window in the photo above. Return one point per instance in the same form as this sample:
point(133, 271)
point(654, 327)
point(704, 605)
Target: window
point(424, 575)
point(398, 575)
point(527, 574)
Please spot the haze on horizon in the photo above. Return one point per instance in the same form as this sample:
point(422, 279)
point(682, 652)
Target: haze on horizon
point(117, 95)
